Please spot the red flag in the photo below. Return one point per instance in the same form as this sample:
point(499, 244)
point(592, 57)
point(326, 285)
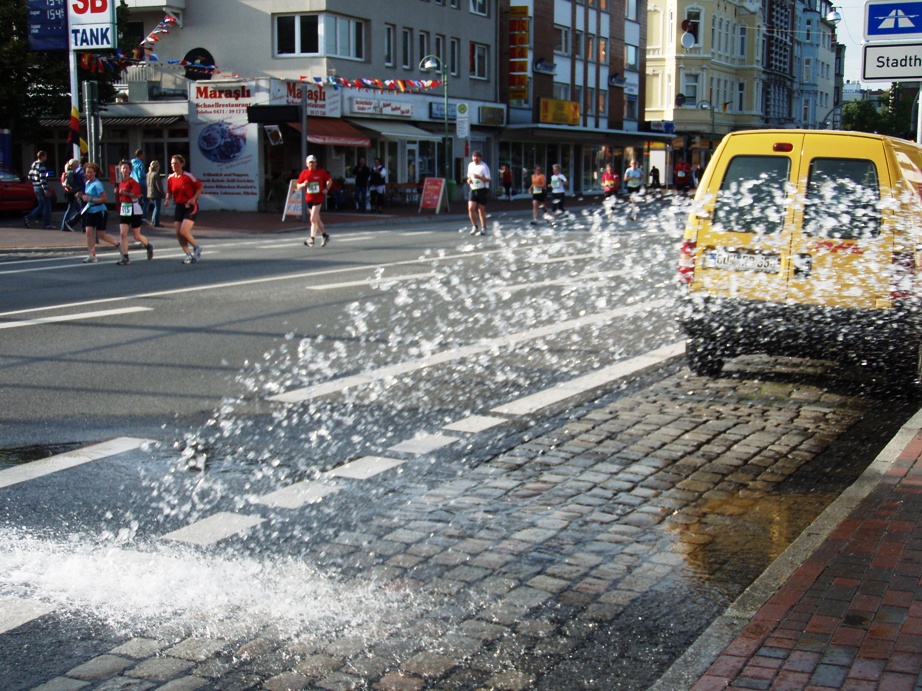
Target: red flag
point(73, 133)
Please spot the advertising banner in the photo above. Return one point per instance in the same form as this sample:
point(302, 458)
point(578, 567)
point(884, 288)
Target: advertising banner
point(224, 146)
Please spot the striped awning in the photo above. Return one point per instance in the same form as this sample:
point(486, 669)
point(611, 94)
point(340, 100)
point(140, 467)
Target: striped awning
point(131, 121)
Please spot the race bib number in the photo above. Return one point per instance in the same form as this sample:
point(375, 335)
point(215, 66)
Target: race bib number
point(313, 188)
point(126, 209)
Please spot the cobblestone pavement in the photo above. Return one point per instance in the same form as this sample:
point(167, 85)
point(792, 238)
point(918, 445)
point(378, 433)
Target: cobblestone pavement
point(589, 555)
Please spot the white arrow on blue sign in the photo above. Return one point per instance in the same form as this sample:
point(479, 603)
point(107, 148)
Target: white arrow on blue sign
point(885, 19)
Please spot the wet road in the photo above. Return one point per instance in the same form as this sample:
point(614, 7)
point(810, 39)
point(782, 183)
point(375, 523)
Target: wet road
point(453, 486)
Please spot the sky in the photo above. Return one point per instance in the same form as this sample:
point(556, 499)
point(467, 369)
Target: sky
point(851, 32)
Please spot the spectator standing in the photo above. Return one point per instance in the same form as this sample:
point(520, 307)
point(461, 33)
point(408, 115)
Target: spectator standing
point(654, 178)
point(94, 213)
point(505, 174)
point(682, 175)
point(538, 194)
point(377, 183)
point(478, 179)
point(362, 175)
point(316, 183)
point(559, 185)
point(184, 189)
point(71, 186)
point(155, 193)
point(38, 176)
point(128, 200)
point(140, 176)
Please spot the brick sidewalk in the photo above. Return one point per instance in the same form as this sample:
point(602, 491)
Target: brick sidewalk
point(850, 617)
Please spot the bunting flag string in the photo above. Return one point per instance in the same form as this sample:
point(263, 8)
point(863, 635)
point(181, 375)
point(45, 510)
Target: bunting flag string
point(396, 85)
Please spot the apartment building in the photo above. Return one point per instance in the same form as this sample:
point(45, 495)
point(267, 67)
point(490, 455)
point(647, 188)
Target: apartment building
point(716, 66)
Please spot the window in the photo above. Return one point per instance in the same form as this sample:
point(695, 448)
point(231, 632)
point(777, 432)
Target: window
point(578, 44)
point(631, 57)
point(390, 32)
point(576, 94)
point(454, 4)
point(851, 188)
point(742, 43)
point(630, 108)
point(590, 47)
point(454, 59)
point(303, 34)
point(479, 7)
point(740, 96)
point(440, 47)
point(561, 39)
point(561, 91)
point(479, 60)
point(407, 48)
point(690, 89)
point(297, 35)
point(752, 195)
point(590, 100)
point(602, 103)
point(423, 44)
point(694, 18)
point(808, 64)
point(630, 10)
point(603, 50)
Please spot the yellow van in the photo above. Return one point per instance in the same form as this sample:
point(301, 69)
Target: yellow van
point(805, 243)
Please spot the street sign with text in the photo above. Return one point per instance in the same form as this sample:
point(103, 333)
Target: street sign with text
point(92, 24)
point(891, 62)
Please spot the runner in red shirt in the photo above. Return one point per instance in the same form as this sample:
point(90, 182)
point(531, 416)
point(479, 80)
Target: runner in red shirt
point(185, 189)
point(129, 212)
point(315, 182)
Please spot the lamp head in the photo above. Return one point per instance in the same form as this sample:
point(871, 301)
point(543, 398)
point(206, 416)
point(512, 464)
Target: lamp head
point(430, 64)
point(834, 17)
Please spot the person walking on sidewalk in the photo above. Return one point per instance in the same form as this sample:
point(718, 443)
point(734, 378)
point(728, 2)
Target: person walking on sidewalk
point(94, 213)
point(538, 194)
point(155, 192)
point(315, 182)
point(128, 199)
point(38, 176)
point(478, 179)
point(362, 176)
point(72, 185)
point(184, 189)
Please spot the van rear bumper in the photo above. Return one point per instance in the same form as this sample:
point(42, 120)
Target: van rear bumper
point(736, 327)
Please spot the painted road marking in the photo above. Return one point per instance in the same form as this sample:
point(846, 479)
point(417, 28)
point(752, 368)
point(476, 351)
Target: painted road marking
point(52, 464)
point(378, 280)
point(336, 385)
point(214, 528)
point(73, 317)
point(14, 612)
point(424, 443)
point(297, 495)
point(475, 423)
point(365, 467)
point(587, 382)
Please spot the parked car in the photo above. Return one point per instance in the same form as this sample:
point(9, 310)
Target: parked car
point(806, 243)
point(15, 191)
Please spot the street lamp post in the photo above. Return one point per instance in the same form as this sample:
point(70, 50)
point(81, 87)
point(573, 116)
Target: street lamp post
point(434, 62)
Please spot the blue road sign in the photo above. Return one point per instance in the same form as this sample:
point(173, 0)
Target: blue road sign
point(886, 20)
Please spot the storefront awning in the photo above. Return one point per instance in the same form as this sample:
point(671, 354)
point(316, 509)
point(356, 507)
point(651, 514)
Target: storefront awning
point(394, 129)
point(132, 121)
point(332, 132)
point(574, 134)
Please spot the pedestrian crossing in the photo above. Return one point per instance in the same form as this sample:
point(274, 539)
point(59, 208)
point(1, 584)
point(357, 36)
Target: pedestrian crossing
point(222, 525)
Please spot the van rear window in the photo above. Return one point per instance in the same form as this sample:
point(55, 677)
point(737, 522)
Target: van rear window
point(752, 195)
point(843, 199)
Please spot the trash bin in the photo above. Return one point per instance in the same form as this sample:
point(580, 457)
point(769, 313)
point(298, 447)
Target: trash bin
point(452, 186)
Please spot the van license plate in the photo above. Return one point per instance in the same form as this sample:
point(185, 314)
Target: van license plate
point(742, 260)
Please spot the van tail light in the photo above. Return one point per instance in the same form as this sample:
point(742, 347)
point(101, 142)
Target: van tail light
point(903, 276)
point(687, 261)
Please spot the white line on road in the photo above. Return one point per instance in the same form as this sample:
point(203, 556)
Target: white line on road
point(365, 467)
point(214, 528)
point(15, 612)
point(377, 280)
point(337, 385)
point(424, 443)
point(52, 464)
point(73, 317)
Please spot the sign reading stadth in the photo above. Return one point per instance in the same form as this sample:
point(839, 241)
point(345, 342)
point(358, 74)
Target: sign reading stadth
point(92, 24)
point(891, 62)
point(891, 20)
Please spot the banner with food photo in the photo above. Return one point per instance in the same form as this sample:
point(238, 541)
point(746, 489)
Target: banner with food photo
point(224, 146)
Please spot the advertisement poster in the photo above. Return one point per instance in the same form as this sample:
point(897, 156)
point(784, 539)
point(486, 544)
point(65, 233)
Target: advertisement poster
point(224, 147)
point(320, 102)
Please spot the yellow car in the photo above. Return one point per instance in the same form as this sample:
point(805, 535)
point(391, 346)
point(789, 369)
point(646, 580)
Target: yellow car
point(805, 243)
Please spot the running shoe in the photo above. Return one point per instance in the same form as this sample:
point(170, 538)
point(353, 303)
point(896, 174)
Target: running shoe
point(188, 258)
point(150, 251)
point(196, 253)
point(474, 230)
point(124, 260)
point(25, 219)
point(309, 242)
point(324, 239)
point(482, 231)
point(91, 259)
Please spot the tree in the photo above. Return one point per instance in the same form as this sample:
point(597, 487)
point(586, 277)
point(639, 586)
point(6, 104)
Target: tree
point(862, 116)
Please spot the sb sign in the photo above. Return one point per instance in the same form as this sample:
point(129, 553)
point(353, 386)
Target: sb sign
point(92, 24)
